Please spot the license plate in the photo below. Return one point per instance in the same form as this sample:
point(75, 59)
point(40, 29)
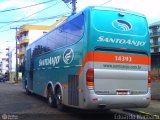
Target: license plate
point(122, 92)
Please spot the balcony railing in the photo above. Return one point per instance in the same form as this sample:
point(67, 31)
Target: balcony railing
point(18, 46)
point(155, 34)
point(24, 41)
point(7, 59)
point(21, 53)
point(153, 46)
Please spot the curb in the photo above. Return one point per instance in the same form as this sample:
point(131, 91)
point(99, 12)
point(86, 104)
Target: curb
point(147, 114)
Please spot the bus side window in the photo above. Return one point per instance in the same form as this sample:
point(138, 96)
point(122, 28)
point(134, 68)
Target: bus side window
point(74, 29)
point(63, 35)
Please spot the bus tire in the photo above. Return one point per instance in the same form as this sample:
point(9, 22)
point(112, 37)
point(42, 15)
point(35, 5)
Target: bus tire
point(51, 98)
point(60, 105)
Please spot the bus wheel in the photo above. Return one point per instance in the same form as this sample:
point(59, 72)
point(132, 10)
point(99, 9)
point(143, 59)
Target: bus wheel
point(60, 105)
point(51, 98)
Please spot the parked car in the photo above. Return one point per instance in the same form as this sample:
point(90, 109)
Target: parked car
point(1, 78)
point(6, 78)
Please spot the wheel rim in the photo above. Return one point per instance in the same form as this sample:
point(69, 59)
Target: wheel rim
point(50, 99)
point(26, 86)
point(59, 97)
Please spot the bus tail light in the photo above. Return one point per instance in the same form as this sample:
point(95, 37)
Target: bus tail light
point(149, 79)
point(90, 77)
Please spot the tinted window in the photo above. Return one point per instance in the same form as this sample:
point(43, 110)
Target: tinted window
point(74, 29)
point(66, 34)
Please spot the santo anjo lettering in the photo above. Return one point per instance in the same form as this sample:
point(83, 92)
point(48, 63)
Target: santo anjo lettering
point(121, 41)
point(49, 61)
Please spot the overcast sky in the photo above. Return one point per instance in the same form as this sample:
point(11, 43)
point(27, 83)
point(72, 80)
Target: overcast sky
point(150, 8)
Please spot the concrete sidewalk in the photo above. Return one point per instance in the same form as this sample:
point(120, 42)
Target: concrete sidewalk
point(153, 109)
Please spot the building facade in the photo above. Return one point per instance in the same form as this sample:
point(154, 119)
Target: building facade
point(155, 49)
point(155, 59)
point(4, 65)
point(10, 63)
point(155, 37)
point(29, 33)
point(7, 62)
point(0, 66)
point(26, 35)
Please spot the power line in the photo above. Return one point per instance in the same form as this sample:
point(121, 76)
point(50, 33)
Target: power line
point(37, 19)
point(26, 6)
point(53, 17)
point(106, 2)
point(5, 30)
point(40, 20)
point(68, 6)
point(31, 14)
point(7, 41)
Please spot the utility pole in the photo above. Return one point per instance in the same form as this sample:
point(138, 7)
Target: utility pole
point(74, 6)
point(16, 80)
point(73, 2)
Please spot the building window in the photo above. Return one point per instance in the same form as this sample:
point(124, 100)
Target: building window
point(25, 34)
point(155, 41)
point(154, 29)
point(151, 41)
point(156, 49)
point(44, 32)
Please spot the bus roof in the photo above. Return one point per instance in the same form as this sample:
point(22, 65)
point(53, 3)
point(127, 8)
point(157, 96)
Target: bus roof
point(89, 8)
point(115, 9)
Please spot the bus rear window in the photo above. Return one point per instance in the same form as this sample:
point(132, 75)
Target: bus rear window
point(113, 22)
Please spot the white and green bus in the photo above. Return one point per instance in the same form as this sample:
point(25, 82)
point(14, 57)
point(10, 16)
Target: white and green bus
point(98, 58)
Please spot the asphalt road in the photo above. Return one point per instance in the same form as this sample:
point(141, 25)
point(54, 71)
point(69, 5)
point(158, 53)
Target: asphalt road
point(15, 104)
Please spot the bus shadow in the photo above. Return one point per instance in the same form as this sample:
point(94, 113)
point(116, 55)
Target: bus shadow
point(36, 97)
point(77, 114)
point(100, 114)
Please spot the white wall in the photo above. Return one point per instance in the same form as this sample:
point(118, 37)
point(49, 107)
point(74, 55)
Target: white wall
point(4, 68)
point(12, 59)
point(35, 34)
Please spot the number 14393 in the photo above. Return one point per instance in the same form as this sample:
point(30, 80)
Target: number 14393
point(123, 58)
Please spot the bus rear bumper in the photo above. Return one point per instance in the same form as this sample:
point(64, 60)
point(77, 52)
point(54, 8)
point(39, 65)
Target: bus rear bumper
point(117, 101)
